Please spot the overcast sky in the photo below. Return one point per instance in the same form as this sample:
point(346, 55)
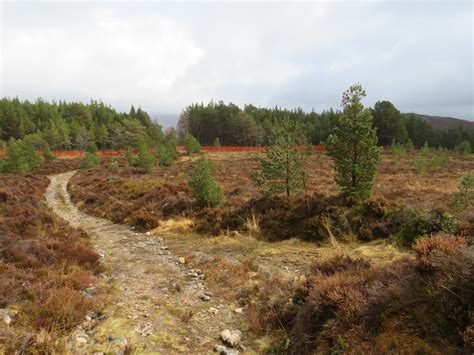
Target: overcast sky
point(164, 56)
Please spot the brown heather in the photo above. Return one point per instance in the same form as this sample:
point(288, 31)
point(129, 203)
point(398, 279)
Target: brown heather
point(44, 266)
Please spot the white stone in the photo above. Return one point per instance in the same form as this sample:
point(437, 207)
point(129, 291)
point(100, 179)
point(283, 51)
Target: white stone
point(232, 338)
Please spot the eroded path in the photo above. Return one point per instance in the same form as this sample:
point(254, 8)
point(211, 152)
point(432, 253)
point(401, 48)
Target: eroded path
point(159, 305)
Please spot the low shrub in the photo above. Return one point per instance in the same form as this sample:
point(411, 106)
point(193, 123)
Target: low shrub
point(438, 162)
point(319, 218)
point(348, 305)
point(410, 224)
point(114, 165)
point(398, 149)
point(44, 266)
point(420, 163)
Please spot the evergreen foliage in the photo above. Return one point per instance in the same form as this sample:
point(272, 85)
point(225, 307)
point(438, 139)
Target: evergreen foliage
point(130, 157)
point(192, 145)
point(72, 125)
point(463, 148)
point(253, 125)
point(389, 124)
point(464, 197)
point(22, 157)
point(166, 152)
point(145, 159)
point(282, 168)
point(354, 146)
point(47, 153)
point(206, 191)
point(90, 160)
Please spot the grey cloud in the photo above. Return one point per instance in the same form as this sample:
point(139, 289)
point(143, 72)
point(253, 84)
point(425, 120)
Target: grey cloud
point(164, 56)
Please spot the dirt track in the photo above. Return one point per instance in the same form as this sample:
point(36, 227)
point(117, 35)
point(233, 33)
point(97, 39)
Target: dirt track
point(156, 300)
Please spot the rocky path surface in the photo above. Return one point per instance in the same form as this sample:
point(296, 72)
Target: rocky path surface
point(158, 304)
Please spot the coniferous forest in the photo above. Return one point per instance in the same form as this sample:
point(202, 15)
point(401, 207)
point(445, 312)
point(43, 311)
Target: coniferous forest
point(73, 125)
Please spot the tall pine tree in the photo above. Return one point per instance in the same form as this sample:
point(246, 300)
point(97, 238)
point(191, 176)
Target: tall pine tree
point(354, 145)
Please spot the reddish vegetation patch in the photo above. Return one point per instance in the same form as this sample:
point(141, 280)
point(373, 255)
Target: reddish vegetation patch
point(44, 266)
point(421, 305)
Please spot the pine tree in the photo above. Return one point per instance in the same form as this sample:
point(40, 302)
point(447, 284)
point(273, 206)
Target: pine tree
point(282, 168)
point(144, 158)
point(389, 124)
point(206, 191)
point(47, 153)
point(31, 155)
point(354, 146)
point(90, 160)
point(192, 145)
point(22, 157)
point(130, 157)
point(15, 161)
point(166, 153)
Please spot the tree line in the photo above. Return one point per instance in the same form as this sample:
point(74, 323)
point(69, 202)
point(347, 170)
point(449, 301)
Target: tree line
point(74, 125)
point(230, 125)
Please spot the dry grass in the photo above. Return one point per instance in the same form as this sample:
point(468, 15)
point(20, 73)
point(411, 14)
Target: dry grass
point(181, 226)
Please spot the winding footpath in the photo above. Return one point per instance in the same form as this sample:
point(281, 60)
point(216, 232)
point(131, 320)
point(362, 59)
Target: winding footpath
point(157, 304)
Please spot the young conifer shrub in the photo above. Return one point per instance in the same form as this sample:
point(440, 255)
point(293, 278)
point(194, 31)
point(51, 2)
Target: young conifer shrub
point(464, 197)
point(144, 158)
point(90, 160)
point(409, 146)
point(21, 158)
point(130, 157)
point(166, 152)
point(206, 191)
point(463, 148)
point(192, 145)
point(47, 153)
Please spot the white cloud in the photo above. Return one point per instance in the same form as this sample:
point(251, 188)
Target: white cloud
point(118, 61)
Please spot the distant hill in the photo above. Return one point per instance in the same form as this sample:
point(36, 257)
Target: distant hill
point(445, 122)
